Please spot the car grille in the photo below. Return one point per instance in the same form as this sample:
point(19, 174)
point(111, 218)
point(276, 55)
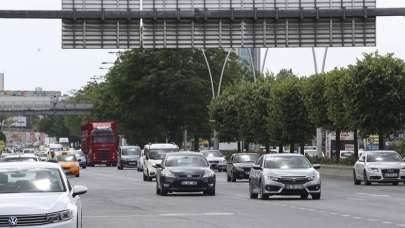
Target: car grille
point(103, 154)
point(293, 180)
point(246, 169)
point(213, 162)
point(385, 171)
point(188, 176)
point(26, 220)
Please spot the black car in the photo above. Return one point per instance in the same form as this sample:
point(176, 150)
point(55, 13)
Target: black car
point(185, 172)
point(128, 156)
point(239, 166)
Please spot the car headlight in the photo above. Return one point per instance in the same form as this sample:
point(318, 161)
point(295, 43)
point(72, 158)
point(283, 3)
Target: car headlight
point(402, 170)
point(209, 173)
point(167, 173)
point(373, 169)
point(77, 164)
point(315, 176)
point(60, 216)
point(222, 161)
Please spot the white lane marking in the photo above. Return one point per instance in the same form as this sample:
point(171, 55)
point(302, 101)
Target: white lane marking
point(371, 220)
point(163, 215)
point(358, 199)
point(372, 195)
point(345, 215)
point(401, 225)
point(387, 222)
point(357, 217)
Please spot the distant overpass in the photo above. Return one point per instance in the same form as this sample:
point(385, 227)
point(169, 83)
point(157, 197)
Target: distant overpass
point(28, 103)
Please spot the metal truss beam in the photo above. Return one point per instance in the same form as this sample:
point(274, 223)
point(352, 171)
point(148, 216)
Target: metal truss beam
point(202, 14)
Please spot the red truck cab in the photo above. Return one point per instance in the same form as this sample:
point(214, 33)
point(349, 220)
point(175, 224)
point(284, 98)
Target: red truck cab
point(100, 142)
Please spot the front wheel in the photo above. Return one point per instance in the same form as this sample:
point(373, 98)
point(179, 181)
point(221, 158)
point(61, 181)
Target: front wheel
point(78, 175)
point(356, 182)
point(228, 178)
point(233, 178)
point(395, 183)
point(366, 181)
point(304, 196)
point(157, 189)
point(316, 196)
point(210, 192)
point(145, 178)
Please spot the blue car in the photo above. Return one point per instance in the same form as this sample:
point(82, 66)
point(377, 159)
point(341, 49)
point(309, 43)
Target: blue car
point(81, 157)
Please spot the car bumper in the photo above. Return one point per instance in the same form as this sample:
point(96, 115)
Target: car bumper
point(177, 185)
point(72, 171)
point(277, 188)
point(67, 224)
point(217, 166)
point(378, 177)
point(241, 174)
point(130, 164)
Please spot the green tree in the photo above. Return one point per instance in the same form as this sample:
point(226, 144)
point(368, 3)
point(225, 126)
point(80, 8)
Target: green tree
point(378, 94)
point(288, 121)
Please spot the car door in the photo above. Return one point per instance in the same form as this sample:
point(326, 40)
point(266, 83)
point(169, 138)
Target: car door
point(360, 164)
point(229, 165)
point(256, 174)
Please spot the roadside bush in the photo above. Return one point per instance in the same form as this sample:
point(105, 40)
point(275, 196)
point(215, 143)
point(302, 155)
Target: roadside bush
point(399, 146)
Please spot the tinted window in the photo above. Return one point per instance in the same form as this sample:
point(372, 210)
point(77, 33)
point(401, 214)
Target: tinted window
point(290, 162)
point(212, 154)
point(131, 151)
point(30, 180)
point(159, 154)
point(246, 158)
point(66, 158)
point(20, 159)
point(383, 157)
point(186, 161)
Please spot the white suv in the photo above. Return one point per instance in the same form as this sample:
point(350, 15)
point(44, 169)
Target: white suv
point(154, 154)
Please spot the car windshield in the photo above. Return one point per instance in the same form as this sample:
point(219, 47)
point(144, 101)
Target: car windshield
point(246, 158)
point(20, 159)
point(131, 151)
point(66, 158)
point(186, 161)
point(159, 154)
point(287, 162)
point(103, 139)
point(212, 154)
point(30, 181)
point(383, 157)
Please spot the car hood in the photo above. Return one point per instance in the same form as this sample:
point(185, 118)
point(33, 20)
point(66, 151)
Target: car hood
point(290, 172)
point(32, 203)
point(389, 165)
point(187, 170)
point(130, 157)
point(216, 158)
point(244, 165)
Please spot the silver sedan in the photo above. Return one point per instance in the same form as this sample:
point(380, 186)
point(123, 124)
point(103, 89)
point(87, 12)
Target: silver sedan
point(379, 166)
point(284, 174)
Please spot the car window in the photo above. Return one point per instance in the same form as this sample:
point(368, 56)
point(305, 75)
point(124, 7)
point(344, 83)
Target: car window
point(288, 162)
point(259, 162)
point(212, 154)
point(362, 159)
point(383, 157)
point(186, 161)
point(245, 158)
point(66, 158)
point(35, 180)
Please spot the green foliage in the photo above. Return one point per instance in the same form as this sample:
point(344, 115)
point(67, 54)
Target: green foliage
point(2, 137)
point(399, 146)
point(288, 120)
point(378, 97)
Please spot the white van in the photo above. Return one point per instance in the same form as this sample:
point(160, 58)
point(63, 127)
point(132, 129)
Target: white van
point(154, 154)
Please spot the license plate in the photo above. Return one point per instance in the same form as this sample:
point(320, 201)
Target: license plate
point(294, 186)
point(132, 163)
point(188, 183)
point(390, 175)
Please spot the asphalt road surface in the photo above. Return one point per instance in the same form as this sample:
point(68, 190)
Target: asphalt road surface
point(122, 199)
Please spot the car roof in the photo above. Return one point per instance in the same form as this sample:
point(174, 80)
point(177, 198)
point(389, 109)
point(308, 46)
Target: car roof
point(207, 151)
point(284, 155)
point(380, 151)
point(20, 155)
point(28, 165)
point(185, 153)
point(245, 154)
point(128, 147)
point(162, 146)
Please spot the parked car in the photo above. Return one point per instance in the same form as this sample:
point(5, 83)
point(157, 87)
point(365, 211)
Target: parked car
point(216, 159)
point(20, 158)
point(346, 154)
point(81, 158)
point(69, 164)
point(379, 166)
point(154, 154)
point(128, 156)
point(311, 153)
point(38, 195)
point(184, 172)
point(239, 166)
point(284, 174)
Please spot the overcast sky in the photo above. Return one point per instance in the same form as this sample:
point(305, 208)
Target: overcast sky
point(31, 54)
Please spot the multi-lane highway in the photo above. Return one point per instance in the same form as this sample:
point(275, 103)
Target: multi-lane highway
point(121, 199)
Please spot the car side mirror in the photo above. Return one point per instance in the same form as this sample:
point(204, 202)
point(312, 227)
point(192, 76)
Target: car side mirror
point(79, 190)
point(79, 160)
point(316, 166)
point(257, 167)
point(157, 166)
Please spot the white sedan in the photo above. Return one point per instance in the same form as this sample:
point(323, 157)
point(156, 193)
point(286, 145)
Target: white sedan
point(38, 195)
